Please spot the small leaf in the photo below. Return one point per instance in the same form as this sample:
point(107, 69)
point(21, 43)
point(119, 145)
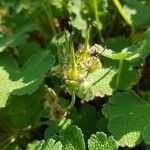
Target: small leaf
point(32, 146)
point(72, 139)
point(49, 144)
point(99, 141)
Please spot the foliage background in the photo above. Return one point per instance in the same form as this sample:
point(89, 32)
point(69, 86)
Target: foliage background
point(74, 74)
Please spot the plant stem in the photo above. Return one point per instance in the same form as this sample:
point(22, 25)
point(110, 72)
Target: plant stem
point(49, 15)
point(125, 17)
point(59, 54)
point(72, 101)
point(98, 23)
point(119, 73)
point(122, 12)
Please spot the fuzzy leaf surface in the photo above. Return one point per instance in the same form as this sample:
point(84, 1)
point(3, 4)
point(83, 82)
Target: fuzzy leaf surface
point(131, 115)
point(49, 144)
point(72, 139)
point(100, 141)
point(100, 81)
point(25, 80)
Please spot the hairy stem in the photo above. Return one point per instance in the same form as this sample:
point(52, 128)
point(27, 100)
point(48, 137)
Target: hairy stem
point(72, 101)
point(119, 73)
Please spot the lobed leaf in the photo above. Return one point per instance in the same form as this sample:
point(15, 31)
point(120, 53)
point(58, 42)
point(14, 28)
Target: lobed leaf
point(49, 144)
point(25, 80)
point(99, 141)
point(72, 139)
point(129, 118)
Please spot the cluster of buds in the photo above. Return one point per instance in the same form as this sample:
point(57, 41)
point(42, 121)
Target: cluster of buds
point(91, 63)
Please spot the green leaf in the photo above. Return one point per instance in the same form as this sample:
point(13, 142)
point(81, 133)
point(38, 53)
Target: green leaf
point(129, 76)
point(97, 11)
point(126, 53)
point(99, 141)
point(137, 51)
point(125, 83)
point(102, 125)
point(112, 54)
point(13, 147)
point(72, 138)
point(103, 80)
point(135, 10)
point(24, 111)
point(27, 50)
point(49, 144)
point(144, 52)
point(64, 123)
point(86, 118)
point(19, 37)
point(146, 134)
point(51, 130)
point(129, 118)
point(32, 146)
point(131, 58)
point(77, 21)
point(55, 127)
point(100, 81)
point(117, 43)
point(134, 53)
point(25, 80)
